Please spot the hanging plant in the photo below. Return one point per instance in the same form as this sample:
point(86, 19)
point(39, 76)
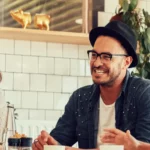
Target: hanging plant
point(139, 20)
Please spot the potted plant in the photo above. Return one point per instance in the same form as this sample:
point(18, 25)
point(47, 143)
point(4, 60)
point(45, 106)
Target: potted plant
point(139, 21)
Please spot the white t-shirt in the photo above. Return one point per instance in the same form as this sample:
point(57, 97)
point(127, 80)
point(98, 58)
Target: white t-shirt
point(106, 118)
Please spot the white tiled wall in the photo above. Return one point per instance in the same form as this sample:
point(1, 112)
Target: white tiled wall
point(39, 77)
point(110, 7)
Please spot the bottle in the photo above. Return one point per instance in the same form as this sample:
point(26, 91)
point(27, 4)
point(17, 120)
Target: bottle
point(26, 143)
point(13, 143)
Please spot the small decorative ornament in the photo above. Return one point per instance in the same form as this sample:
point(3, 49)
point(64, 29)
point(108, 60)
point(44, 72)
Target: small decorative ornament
point(42, 21)
point(23, 18)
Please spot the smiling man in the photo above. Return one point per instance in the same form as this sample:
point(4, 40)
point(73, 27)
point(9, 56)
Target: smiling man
point(116, 99)
point(109, 62)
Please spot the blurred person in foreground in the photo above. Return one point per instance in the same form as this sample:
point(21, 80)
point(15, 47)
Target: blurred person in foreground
point(3, 114)
point(3, 108)
point(116, 99)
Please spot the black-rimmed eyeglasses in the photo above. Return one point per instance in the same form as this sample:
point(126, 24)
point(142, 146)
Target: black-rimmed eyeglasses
point(105, 57)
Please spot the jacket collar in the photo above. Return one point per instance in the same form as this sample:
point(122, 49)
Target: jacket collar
point(125, 81)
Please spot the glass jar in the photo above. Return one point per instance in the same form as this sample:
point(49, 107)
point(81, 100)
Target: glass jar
point(26, 143)
point(13, 143)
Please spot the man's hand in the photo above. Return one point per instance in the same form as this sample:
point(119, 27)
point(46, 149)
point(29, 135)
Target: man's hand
point(43, 139)
point(130, 142)
point(118, 137)
point(113, 136)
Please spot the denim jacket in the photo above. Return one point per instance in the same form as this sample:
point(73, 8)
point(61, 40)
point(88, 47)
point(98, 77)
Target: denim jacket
point(79, 123)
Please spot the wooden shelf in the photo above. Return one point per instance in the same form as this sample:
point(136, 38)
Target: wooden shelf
point(44, 36)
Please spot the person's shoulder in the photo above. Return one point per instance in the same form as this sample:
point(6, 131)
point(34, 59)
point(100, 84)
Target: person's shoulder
point(85, 89)
point(140, 82)
point(82, 92)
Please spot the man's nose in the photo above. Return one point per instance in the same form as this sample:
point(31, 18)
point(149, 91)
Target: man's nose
point(98, 62)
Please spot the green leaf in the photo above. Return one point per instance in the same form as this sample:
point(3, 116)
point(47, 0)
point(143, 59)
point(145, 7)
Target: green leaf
point(147, 18)
point(135, 74)
point(147, 66)
point(144, 73)
point(125, 6)
point(133, 4)
point(147, 40)
point(148, 34)
point(141, 58)
point(140, 65)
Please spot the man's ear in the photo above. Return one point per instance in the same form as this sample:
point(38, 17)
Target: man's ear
point(128, 61)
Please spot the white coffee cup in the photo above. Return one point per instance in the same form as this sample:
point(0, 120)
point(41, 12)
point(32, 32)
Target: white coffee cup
point(111, 147)
point(54, 147)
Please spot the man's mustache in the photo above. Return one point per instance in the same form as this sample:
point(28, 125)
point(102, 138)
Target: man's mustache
point(99, 68)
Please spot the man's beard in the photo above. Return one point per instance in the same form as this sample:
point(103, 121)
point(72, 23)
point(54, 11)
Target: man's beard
point(111, 80)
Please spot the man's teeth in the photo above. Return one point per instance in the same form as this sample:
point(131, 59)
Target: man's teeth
point(99, 71)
